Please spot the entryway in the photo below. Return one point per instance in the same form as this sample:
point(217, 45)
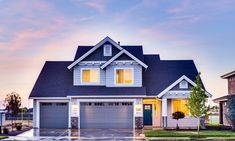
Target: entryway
point(148, 114)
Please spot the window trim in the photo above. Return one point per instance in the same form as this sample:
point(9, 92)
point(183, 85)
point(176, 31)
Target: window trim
point(89, 83)
point(172, 106)
point(104, 49)
point(115, 75)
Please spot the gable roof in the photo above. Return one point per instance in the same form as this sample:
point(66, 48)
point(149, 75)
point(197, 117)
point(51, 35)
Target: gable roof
point(225, 76)
point(55, 80)
point(119, 54)
point(162, 73)
point(135, 50)
point(93, 49)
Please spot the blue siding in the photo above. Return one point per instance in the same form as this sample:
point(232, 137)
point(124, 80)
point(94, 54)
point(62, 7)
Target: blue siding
point(77, 75)
point(137, 70)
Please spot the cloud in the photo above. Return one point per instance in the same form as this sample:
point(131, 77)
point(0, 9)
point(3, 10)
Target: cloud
point(97, 5)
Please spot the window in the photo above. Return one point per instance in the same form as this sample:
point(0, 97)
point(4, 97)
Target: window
point(180, 105)
point(183, 84)
point(124, 76)
point(90, 75)
point(108, 50)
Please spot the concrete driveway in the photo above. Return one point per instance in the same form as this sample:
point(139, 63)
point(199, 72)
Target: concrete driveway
point(83, 134)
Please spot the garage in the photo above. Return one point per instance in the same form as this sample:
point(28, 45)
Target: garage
point(106, 115)
point(53, 115)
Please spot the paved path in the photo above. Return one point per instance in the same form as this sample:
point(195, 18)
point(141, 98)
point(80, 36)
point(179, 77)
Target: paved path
point(82, 135)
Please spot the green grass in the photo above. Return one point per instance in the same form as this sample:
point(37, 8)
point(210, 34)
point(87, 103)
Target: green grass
point(3, 137)
point(189, 134)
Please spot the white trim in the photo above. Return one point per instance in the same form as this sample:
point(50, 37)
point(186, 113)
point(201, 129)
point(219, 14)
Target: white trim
point(69, 117)
point(93, 49)
point(89, 83)
point(175, 83)
point(164, 107)
point(37, 114)
point(107, 100)
point(115, 74)
point(127, 53)
point(49, 98)
point(117, 96)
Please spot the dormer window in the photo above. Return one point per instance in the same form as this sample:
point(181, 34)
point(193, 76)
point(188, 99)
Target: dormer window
point(124, 76)
point(108, 50)
point(183, 84)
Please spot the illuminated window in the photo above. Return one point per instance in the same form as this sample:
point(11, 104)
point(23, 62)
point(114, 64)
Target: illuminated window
point(124, 76)
point(180, 105)
point(90, 75)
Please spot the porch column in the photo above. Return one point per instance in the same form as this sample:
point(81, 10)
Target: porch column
point(164, 112)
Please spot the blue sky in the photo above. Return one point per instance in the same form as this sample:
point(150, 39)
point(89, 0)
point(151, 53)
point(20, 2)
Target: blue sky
point(32, 32)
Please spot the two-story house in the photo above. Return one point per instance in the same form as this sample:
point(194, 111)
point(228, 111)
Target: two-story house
point(223, 100)
point(113, 86)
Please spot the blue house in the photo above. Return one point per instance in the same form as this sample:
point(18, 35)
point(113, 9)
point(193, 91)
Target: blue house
point(113, 86)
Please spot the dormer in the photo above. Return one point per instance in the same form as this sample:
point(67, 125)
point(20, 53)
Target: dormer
point(108, 64)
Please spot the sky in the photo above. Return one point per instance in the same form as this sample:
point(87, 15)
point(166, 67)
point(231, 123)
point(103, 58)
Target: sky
point(32, 32)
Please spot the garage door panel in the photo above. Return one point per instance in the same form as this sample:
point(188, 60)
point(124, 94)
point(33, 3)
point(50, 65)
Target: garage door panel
point(106, 115)
point(53, 115)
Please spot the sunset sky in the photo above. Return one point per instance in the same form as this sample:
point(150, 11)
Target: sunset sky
point(32, 32)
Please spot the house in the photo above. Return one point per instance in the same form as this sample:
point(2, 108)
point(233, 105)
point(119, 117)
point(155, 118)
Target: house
point(223, 100)
point(113, 86)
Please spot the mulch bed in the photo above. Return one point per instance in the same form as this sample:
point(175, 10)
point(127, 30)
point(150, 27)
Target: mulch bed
point(15, 132)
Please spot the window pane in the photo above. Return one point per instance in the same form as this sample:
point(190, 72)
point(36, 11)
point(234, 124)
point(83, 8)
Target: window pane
point(90, 76)
point(86, 76)
point(128, 76)
point(94, 76)
point(120, 76)
point(124, 76)
point(180, 105)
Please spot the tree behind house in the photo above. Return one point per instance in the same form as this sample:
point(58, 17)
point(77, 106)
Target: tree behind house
point(13, 103)
point(197, 101)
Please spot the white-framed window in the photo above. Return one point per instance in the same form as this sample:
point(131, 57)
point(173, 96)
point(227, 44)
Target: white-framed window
point(123, 76)
point(183, 84)
point(90, 75)
point(107, 50)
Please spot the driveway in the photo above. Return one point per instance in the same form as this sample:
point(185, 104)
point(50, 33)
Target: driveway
point(83, 134)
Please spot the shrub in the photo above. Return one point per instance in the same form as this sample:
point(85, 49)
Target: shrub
point(5, 130)
point(178, 115)
point(18, 126)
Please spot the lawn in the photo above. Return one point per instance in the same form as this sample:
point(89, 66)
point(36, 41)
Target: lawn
point(190, 134)
point(3, 137)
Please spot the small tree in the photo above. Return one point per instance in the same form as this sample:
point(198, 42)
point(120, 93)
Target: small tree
point(13, 103)
point(197, 101)
point(230, 115)
point(178, 115)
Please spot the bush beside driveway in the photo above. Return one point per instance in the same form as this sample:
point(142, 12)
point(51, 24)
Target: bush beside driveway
point(186, 135)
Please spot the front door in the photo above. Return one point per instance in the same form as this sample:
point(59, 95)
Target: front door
point(147, 114)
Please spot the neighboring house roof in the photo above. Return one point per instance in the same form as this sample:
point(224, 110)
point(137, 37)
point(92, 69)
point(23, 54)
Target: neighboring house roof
point(222, 98)
point(55, 80)
point(225, 76)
